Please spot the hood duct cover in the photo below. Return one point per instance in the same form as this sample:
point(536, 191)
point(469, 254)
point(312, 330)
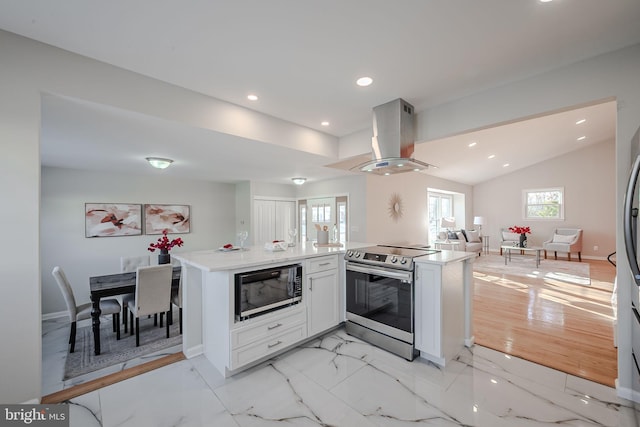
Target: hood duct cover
point(393, 140)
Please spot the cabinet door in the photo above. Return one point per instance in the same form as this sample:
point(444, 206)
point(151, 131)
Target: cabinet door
point(428, 324)
point(264, 217)
point(322, 292)
point(285, 219)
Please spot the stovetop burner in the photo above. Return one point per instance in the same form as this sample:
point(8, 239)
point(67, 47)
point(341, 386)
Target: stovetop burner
point(399, 257)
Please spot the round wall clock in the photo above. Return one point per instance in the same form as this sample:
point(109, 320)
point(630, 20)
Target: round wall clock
point(395, 206)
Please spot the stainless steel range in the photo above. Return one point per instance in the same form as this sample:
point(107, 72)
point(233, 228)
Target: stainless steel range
point(380, 291)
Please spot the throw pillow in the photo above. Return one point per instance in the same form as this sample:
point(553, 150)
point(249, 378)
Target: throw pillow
point(460, 236)
point(473, 236)
point(452, 235)
point(464, 233)
point(561, 238)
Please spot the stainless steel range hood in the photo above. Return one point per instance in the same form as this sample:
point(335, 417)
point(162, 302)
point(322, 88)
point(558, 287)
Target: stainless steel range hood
point(393, 140)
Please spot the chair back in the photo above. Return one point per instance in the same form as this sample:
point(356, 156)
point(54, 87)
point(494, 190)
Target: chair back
point(128, 264)
point(67, 292)
point(577, 243)
point(153, 289)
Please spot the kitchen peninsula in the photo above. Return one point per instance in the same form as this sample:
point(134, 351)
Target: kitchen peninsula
point(212, 328)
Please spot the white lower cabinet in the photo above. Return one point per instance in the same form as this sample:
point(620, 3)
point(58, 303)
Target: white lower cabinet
point(439, 311)
point(321, 293)
point(262, 337)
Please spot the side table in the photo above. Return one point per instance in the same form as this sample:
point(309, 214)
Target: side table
point(485, 244)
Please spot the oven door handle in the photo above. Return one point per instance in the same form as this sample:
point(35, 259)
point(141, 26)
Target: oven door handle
point(385, 273)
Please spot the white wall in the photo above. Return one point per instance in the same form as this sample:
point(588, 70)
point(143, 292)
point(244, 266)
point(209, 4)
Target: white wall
point(588, 178)
point(411, 227)
point(63, 241)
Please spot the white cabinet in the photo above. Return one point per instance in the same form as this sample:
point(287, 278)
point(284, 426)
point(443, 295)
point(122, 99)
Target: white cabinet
point(321, 293)
point(260, 337)
point(439, 311)
point(272, 220)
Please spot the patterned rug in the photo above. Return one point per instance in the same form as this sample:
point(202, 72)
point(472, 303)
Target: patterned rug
point(113, 351)
point(525, 265)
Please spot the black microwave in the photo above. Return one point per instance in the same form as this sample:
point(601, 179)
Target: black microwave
point(262, 291)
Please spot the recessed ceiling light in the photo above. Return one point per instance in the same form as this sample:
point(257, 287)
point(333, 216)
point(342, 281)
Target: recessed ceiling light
point(545, 1)
point(325, 123)
point(506, 165)
point(491, 156)
point(364, 81)
point(581, 121)
point(582, 138)
point(252, 97)
point(473, 144)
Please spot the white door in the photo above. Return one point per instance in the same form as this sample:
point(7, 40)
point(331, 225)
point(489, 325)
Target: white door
point(264, 219)
point(285, 219)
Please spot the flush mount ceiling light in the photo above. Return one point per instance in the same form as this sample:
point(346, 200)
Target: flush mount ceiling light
point(158, 162)
point(252, 97)
point(325, 123)
point(298, 181)
point(364, 81)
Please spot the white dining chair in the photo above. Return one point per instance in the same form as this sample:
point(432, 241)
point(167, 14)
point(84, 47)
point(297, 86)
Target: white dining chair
point(127, 265)
point(152, 296)
point(83, 311)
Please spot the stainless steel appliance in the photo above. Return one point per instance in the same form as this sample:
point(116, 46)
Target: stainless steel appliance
point(631, 244)
point(380, 292)
point(261, 291)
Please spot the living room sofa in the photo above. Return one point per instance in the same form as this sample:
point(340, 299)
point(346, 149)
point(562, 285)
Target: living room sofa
point(469, 240)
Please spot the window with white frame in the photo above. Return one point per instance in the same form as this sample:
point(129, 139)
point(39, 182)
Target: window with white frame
point(543, 203)
point(440, 205)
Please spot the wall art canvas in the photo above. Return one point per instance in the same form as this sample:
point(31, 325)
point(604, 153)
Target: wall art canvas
point(112, 219)
point(174, 218)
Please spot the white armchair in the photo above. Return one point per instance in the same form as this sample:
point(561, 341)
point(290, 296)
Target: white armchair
point(508, 238)
point(565, 240)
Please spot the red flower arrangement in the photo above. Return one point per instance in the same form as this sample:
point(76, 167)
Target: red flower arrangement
point(520, 230)
point(164, 244)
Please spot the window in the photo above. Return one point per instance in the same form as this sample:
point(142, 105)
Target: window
point(545, 203)
point(440, 205)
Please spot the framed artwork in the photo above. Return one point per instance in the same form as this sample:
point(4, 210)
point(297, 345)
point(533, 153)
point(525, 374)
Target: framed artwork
point(174, 218)
point(112, 219)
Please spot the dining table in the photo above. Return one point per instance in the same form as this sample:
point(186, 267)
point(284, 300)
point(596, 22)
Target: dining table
point(111, 285)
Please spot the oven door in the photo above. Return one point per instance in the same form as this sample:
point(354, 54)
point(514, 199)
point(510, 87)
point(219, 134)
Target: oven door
point(381, 299)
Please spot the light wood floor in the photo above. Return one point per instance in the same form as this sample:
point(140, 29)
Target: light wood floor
point(566, 327)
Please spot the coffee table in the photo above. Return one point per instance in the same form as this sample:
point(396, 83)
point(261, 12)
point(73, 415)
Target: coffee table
point(506, 250)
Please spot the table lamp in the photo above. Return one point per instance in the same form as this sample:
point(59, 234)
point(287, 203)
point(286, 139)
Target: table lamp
point(479, 221)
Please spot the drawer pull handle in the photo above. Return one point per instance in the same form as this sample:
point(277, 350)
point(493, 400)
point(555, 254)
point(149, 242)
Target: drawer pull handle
point(274, 344)
point(277, 325)
point(324, 263)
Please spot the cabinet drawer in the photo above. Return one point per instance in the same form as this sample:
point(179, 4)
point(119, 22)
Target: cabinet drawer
point(266, 328)
point(322, 263)
point(264, 348)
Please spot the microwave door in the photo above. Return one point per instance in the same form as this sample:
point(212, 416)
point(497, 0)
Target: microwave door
point(630, 222)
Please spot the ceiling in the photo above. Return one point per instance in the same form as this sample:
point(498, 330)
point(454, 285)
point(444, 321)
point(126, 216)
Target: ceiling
point(302, 60)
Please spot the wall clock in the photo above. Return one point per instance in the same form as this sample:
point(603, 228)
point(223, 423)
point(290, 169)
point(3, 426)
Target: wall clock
point(395, 207)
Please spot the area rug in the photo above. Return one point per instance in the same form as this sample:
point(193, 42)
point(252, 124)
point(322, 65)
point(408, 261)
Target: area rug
point(113, 351)
point(525, 265)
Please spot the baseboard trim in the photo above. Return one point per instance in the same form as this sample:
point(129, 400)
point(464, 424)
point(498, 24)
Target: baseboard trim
point(194, 351)
point(627, 393)
point(89, 386)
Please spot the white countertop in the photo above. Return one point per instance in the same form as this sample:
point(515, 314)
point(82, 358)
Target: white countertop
point(216, 260)
point(445, 257)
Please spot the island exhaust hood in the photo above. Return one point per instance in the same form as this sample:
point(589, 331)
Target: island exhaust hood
point(393, 140)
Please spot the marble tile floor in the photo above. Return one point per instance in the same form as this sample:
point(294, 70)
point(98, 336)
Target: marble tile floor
point(339, 380)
